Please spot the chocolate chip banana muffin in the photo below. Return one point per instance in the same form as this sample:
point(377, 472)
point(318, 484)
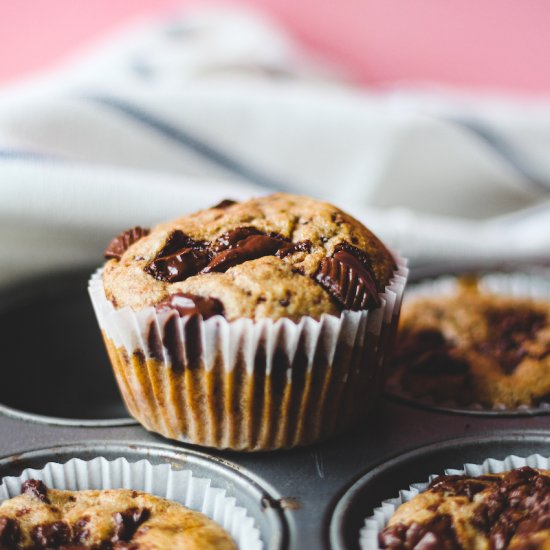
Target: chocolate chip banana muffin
point(509, 510)
point(114, 519)
point(473, 346)
point(272, 257)
point(244, 324)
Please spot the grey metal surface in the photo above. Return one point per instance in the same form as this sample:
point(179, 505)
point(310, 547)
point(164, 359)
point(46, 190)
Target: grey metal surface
point(303, 486)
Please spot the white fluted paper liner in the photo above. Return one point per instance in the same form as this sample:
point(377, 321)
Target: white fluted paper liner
point(533, 283)
point(129, 329)
point(248, 384)
point(368, 536)
point(161, 480)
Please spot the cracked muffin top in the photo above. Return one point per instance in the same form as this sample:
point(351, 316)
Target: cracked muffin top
point(113, 519)
point(509, 510)
point(271, 257)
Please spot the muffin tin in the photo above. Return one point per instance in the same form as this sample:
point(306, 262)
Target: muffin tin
point(59, 401)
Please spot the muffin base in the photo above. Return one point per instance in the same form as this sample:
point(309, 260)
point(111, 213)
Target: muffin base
point(249, 385)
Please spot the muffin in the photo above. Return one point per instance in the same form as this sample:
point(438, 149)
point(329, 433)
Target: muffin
point(507, 510)
point(117, 519)
point(473, 346)
point(250, 325)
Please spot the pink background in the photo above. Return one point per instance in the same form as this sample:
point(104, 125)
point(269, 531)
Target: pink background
point(490, 44)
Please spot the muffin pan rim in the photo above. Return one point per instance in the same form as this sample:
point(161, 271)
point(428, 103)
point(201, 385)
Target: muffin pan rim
point(19, 414)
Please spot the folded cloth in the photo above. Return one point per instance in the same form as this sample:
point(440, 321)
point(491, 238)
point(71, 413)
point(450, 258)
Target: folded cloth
point(174, 115)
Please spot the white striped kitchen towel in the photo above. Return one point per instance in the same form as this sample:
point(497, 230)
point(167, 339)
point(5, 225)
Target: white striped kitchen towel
point(174, 115)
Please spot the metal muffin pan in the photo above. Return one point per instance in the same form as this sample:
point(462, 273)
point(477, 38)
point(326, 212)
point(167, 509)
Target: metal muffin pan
point(297, 491)
point(55, 371)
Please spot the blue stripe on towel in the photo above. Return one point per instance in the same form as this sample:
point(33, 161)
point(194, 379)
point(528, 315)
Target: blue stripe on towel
point(504, 149)
point(18, 154)
point(186, 139)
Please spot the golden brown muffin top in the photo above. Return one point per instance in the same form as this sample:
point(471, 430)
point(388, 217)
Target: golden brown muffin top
point(473, 346)
point(114, 519)
point(271, 257)
point(509, 510)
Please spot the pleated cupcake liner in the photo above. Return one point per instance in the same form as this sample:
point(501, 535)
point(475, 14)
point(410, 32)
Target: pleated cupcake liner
point(375, 524)
point(197, 493)
point(533, 284)
point(246, 384)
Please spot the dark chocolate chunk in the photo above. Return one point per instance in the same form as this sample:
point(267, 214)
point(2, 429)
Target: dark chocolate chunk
point(128, 522)
point(226, 203)
point(9, 532)
point(291, 248)
point(457, 485)
point(348, 280)
point(51, 535)
point(36, 488)
point(426, 352)
point(519, 502)
point(81, 531)
point(231, 238)
point(439, 363)
point(120, 244)
point(436, 534)
point(179, 265)
point(510, 329)
point(190, 304)
point(178, 240)
point(181, 257)
point(250, 248)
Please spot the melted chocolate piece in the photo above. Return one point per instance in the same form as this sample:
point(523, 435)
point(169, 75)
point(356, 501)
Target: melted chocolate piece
point(363, 258)
point(182, 256)
point(120, 244)
point(348, 280)
point(190, 304)
point(425, 352)
point(436, 534)
point(51, 535)
point(36, 488)
point(230, 239)
point(179, 258)
point(250, 248)
point(510, 330)
point(519, 502)
point(128, 522)
point(9, 532)
point(81, 532)
point(456, 485)
point(439, 363)
point(178, 240)
point(178, 266)
point(291, 248)
point(226, 203)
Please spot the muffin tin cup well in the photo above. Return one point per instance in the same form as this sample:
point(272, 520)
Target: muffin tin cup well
point(382, 483)
point(368, 536)
point(53, 371)
point(528, 283)
point(245, 384)
point(219, 491)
